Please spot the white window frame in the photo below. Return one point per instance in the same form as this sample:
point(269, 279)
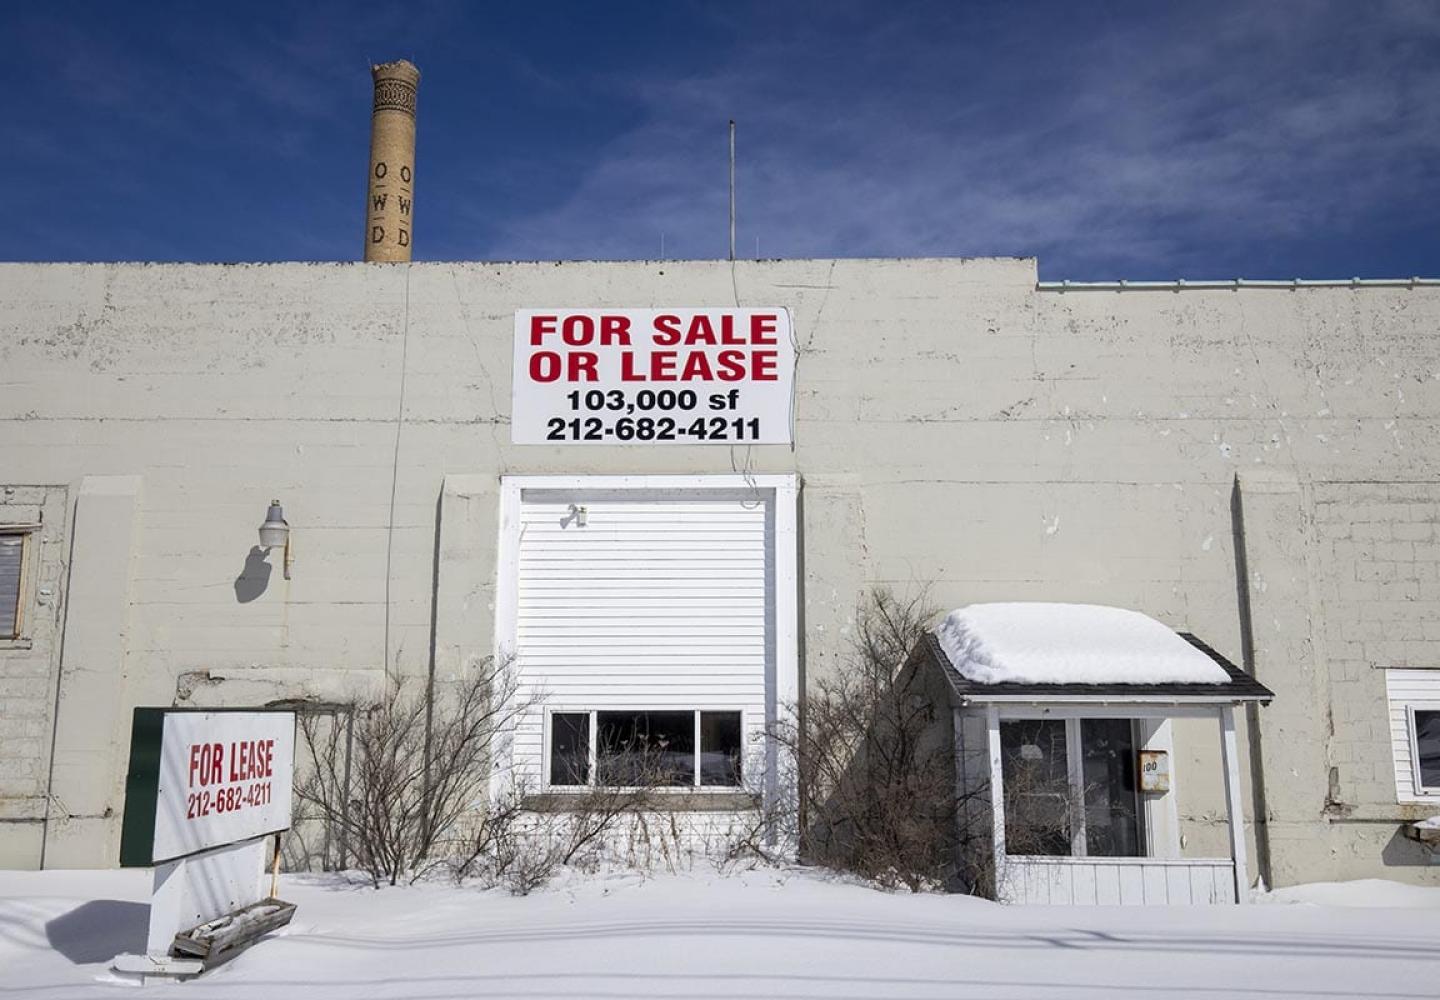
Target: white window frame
point(20, 636)
point(1075, 783)
point(785, 491)
point(593, 767)
point(1412, 730)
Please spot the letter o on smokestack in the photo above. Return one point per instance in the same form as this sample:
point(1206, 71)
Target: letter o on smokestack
point(390, 205)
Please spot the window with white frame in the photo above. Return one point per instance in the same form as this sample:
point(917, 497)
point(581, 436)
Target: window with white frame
point(696, 748)
point(1071, 788)
point(1413, 695)
point(1424, 726)
point(12, 577)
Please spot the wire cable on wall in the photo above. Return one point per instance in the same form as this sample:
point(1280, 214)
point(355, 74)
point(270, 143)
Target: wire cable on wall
point(395, 467)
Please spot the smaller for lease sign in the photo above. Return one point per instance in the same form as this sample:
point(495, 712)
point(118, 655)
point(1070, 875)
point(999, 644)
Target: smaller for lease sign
point(203, 779)
point(653, 376)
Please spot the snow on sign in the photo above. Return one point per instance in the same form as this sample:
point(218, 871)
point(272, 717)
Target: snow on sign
point(203, 779)
point(652, 376)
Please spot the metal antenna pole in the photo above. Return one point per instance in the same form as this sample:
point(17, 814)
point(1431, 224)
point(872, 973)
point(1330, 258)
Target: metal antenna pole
point(732, 188)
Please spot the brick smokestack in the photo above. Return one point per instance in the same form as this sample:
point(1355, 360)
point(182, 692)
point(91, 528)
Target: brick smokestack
point(390, 203)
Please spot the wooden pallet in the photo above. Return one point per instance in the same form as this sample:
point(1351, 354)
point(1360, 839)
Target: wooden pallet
point(224, 937)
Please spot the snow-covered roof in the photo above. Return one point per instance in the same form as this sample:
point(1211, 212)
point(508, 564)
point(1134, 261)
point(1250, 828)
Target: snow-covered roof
point(1040, 643)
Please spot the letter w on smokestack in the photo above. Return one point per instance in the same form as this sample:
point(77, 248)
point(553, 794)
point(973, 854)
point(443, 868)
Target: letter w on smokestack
point(390, 204)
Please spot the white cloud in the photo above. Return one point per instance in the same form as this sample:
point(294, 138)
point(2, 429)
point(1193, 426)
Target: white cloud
point(1133, 146)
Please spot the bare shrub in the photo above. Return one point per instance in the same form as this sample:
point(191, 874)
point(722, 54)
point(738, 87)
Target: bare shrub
point(767, 834)
point(487, 839)
point(875, 775)
point(308, 845)
point(416, 767)
point(530, 867)
point(523, 839)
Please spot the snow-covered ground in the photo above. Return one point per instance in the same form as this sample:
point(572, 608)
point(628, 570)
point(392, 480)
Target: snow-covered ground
point(758, 935)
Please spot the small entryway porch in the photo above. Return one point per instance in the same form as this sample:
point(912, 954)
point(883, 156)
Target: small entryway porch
point(1071, 811)
point(1070, 785)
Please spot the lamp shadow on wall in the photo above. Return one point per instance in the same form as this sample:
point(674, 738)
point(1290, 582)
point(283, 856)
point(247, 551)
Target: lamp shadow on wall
point(254, 577)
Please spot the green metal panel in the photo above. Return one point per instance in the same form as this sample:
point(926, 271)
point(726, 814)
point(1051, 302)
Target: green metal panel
point(142, 781)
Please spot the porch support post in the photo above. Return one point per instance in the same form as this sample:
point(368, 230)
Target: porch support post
point(962, 787)
point(997, 795)
point(1075, 800)
point(1231, 762)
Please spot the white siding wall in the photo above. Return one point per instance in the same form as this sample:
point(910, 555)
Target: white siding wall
point(1118, 881)
point(1408, 687)
point(662, 600)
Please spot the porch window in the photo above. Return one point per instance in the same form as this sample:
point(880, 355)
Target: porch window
point(645, 748)
point(1425, 738)
point(1070, 788)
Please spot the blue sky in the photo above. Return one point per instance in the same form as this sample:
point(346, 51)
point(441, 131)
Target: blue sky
point(1265, 138)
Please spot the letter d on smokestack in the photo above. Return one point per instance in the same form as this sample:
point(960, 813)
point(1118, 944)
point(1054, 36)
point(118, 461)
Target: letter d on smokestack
point(390, 202)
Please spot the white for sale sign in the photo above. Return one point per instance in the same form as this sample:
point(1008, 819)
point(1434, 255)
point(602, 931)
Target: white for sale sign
point(202, 779)
point(653, 376)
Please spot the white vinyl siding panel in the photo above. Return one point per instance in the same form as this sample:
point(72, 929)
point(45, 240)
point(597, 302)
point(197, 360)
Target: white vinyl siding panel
point(1118, 881)
point(1405, 688)
point(662, 600)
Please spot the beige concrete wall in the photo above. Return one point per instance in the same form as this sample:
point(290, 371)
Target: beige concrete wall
point(1378, 547)
point(955, 426)
point(27, 669)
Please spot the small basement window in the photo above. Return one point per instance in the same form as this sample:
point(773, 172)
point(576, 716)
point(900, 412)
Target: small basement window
point(640, 748)
point(12, 565)
point(1425, 748)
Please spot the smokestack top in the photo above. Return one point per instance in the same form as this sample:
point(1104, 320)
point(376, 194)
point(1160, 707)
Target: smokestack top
point(395, 86)
point(390, 200)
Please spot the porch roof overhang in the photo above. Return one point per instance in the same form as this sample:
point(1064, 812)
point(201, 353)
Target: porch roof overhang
point(1241, 687)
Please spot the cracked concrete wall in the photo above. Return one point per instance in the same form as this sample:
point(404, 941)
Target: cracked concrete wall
point(955, 427)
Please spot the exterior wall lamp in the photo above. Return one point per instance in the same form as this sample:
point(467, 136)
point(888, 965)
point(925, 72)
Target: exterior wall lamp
point(275, 531)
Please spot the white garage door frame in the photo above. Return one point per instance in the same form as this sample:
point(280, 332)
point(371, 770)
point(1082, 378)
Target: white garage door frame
point(781, 491)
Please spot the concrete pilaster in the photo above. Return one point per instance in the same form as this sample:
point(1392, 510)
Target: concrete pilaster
point(92, 724)
point(1279, 593)
point(465, 573)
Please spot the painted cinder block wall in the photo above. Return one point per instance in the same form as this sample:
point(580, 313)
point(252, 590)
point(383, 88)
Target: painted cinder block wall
point(956, 426)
